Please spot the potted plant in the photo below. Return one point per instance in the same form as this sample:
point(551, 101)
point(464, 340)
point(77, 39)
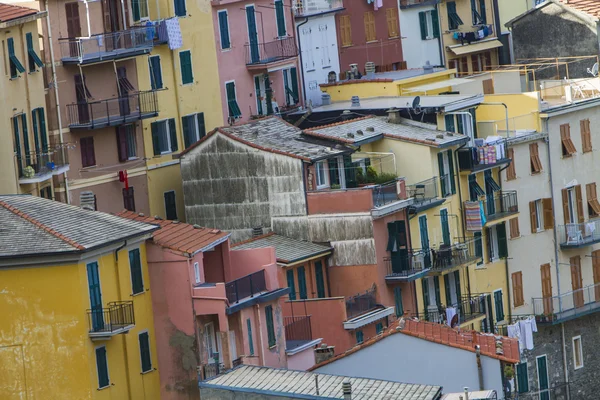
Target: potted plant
point(509, 372)
point(335, 186)
point(385, 177)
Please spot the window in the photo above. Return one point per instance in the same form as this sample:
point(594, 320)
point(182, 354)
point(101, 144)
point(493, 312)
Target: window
point(193, 127)
point(517, 283)
point(145, 352)
point(224, 29)
point(370, 32)
point(135, 266)
point(592, 199)
point(211, 343)
point(577, 352)
point(499, 305)
point(359, 337)
point(88, 157)
point(345, 30)
point(170, 205)
point(33, 59)
point(511, 172)
point(514, 228)
point(430, 25)
point(129, 198)
point(534, 159)
point(446, 169)
point(474, 189)
point(197, 272)
point(164, 136)
point(463, 67)
point(46, 192)
point(185, 65)
point(445, 227)
point(102, 367)
point(234, 108)
point(291, 283)
point(156, 81)
point(39, 129)
point(477, 237)
point(180, 8)
point(536, 213)
point(453, 19)
point(19, 124)
point(522, 378)
point(543, 382)
point(397, 239)
point(573, 204)
point(399, 308)
point(320, 279)
point(568, 148)
point(15, 64)
point(290, 85)
point(391, 16)
point(478, 12)
point(250, 342)
point(596, 273)
point(270, 326)
point(546, 288)
point(496, 242)
point(302, 282)
point(379, 328)
point(139, 9)
point(126, 147)
point(586, 136)
point(322, 177)
point(280, 18)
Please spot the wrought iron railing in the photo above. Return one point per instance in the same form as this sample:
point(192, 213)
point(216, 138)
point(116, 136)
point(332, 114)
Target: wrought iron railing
point(210, 370)
point(44, 162)
point(117, 316)
point(567, 305)
point(248, 286)
point(360, 303)
point(298, 328)
point(500, 204)
point(405, 263)
point(454, 255)
point(467, 309)
point(577, 235)
point(277, 50)
point(423, 192)
point(109, 112)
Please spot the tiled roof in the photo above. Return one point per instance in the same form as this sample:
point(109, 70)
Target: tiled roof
point(407, 130)
point(443, 334)
point(178, 236)
point(590, 7)
point(287, 250)
point(32, 225)
point(301, 384)
point(277, 136)
point(8, 12)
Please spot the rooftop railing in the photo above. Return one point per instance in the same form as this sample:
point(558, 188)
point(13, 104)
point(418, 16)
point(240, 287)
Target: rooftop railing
point(310, 7)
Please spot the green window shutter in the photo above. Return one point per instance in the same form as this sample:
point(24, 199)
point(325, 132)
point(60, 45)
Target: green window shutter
point(436, 285)
point(474, 119)
point(43, 134)
point(280, 18)
point(424, 232)
point(451, 172)
point(185, 64)
point(186, 126)
point(302, 282)
point(156, 73)
point(398, 301)
point(457, 285)
point(482, 12)
point(478, 244)
point(291, 284)
point(270, 326)
point(15, 121)
point(201, 125)
point(379, 328)
point(449, 120)
point(173, 134)
point(499, 306)
point(440, 157)
point(459, 124)
point(234, 109)
point(474, 12)
point(137, 284)
point(145, 352)
point(155, 139)
point(350, 172)
point(15, 64)
point(180, 9)
point(522, 378)
point(435, 21)
point(34, 121)
point(425, 288)
point(447, 290)
point(502, 244)
point(250, 342)
point(294, 75)
point(423, 24)
point(33, 58)
point(488, 243)
point(26, 139)
point(332, 167)
point(359, 337)
point(258, 94)
point(319, 279)
point(391, 237)
point(445, 227)
point(224, 30)
point(102, 367)
point(135, 7)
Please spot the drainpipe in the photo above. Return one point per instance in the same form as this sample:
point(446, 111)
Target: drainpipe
point(300, 53)
point(87, 17)
point(260, 334)
point(506, 111)
point(122, 14)
point(55, 83)
point(123, 341)
point(479, 367)
point(497, 22)
point(26, 77)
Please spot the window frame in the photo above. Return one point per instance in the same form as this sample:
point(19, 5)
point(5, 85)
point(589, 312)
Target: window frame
point(139, 10)
point(196, 127)
point(88, 138)
point(325, 183)
point(572, 201)
point(539, 215)
point(143, 290)
point(575, 349)
point(145, 331)
point(360, 336)
point(153, 84)
point(168, 133)
point(228, 30)
point(197, 277)
point(107, 369)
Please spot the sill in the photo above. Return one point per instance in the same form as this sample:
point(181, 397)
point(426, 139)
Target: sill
point(147, 372)
point(89, 167)
point(585, 152)
point(187, 84)
point(225, 50)
point(346, 45)
point(104, 387)
point(536, 173)
point(322, 187)
point(273, 346)
point(137, 294)
point(164, 153)
point(311, 70)
point(325, 66)
point(567, 155)
point(372, 41)
point(393, 37)
point(576, 368)
point(515, 238)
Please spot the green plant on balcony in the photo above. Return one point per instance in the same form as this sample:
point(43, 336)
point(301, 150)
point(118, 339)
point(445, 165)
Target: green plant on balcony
point(371, 174)
point(335, 186)
point(385, 177)
point(509, 372)
point(28, 172)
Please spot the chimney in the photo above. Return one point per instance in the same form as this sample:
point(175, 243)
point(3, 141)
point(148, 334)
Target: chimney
point(325, 99)
point(427, 68)
point(355, 101)
point(347, 389)
point(466, 393)
point(324, 353)
point(394, 116)
point(370, 70)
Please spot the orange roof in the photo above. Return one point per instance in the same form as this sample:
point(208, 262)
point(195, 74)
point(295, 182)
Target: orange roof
point(179, 236)
point(8, 12)
point(443, 334)
point(590, 7)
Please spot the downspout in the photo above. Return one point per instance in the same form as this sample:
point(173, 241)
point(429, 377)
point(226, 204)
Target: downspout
point(301, 63)
point(260, 334)
point(27, 96)
point(497, 23)
point(440, 41)
point(87, 17)
point(55, 84)
point(122, 13)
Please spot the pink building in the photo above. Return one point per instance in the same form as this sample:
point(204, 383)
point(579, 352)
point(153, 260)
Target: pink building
point(257, 57)
point(214, 308)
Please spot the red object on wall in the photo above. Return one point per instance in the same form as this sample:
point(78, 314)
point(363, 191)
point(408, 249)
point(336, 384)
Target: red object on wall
point(123, 178)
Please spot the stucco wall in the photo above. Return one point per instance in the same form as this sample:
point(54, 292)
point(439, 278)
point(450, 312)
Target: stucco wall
point(416, 50)
point(302, 361)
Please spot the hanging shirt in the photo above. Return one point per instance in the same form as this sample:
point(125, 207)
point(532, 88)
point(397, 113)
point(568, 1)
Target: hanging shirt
point(450, 313)
point(526, 333)
point(514, 331)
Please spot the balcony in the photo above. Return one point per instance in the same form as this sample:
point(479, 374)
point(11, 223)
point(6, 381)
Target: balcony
point(483, 156)
point(567, 306)
point(389, 198)
point(113, 112)
point(499, 206)
point(452, 257)
point(107, 46)
point(246, 287)
point(407, 267)
point(424, 194)
point(573, 236)
point(39, 167)
point(262, 55)
point(298, 333)
point(416, 3)
point(305, 8)
point(105, 323)
point(362, 309)
point(468, 310)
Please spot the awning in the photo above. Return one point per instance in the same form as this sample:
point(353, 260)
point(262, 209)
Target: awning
point(368, 318)
point(476, 47)
point(437, 85)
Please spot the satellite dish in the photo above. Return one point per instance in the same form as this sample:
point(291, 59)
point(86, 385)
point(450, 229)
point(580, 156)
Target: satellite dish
point(417, 102)
point(594, 70)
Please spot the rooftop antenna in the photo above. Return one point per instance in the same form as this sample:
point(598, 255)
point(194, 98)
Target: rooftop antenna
point(594, 70)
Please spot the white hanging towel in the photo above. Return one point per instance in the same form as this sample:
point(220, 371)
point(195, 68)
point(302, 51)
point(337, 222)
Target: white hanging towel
point(174, 33)
point(533, 324)
point(527, 333)
point(450, 313)
point(514, 331)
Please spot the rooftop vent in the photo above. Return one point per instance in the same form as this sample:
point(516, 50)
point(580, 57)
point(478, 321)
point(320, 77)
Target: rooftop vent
point(347, 389)
point(325, 99)
point(257, 231)
point(427, 68)
point(370, 129)
point(394, 116)
point(370, 69)
point(355, 101)
point(359, 132)
point(346, 115)
point(350, 134)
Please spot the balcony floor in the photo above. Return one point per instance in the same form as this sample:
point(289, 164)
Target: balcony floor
point(268, 63)
point(444, 268)
point(406, 276)
point(103, 335)
point(573, 313)
point(584, 242)
point(484, 167)
point(105, 122)
point(103, 56)
point(500, 217)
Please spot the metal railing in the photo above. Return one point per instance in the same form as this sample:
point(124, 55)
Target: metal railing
point(577, 235)
point(386, 193)
point(277, 50)
point(410, 263)
point(454, 255)
point(360, 303)
point(500, 204)
point(38, 164)
point(210, 370)
point(247, 286)
point(117, 316)
point(406, 3)
point(107, 46)
point(109, 112)
point(298, 328)
point(568, 305)
point(423, 192)
point(479, 154)
point(308, 7)
point(467, 309)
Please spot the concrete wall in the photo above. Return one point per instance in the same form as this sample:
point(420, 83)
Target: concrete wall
point(302, 361)
point(446, 366)
point(339, 201)
point(416, 50)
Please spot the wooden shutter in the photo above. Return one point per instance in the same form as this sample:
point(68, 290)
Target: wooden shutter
point(369, 19)
point(565, 201)
point(128, 199)
point(423, 24)
point(534, 158)
point(576, 281)
point(88, 156)
point(398, 301)
point(270, 326)
point(185, 64)
point(180, 9)
point(451, 172)
point(596, 270)
point(155, 140)
point(547, 288)
point(436, 287)
point(170, 206)
point(592, 199)
point(586, 137)
point(514, 228)
point(522, 378)
point(533, 216)
point(345, 30)
point(579, 199)
point(511, 172)
point(224, 29)
point(499, 305)
point(488, 86)
point(517, 283)
point(391, 15)
point(122, 143)
point(73, 23)
point(442, 173)
point(567, 143)
point(502, 242)
point(173, 134)
point(548, 213)
point(320, 279)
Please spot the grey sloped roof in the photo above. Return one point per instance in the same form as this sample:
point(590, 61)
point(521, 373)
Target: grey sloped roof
point(32, 225)
point(300, 384)
point(274, 134)
point(287, 250)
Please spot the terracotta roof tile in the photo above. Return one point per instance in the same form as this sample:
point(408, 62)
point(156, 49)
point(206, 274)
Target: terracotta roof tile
point(178, 236)
point(590, 7)
point(8, 12)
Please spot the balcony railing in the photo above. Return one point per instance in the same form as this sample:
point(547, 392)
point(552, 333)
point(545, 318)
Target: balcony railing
point(248, 286)
point(388, 193)
point(210, 370)
point(408, 265)
point(303, 8)
point(107, 46)
point(117, 318)
point(500, 204)
point(423, 193)
point(568, 305)
point(360, 304)
point(579, 235)
point(455, 255)
point(482, 156)
point(113, 112)
point(467, 309)
point(38, 167)
point(265, 53)
point(298, 329)
point(409, 3)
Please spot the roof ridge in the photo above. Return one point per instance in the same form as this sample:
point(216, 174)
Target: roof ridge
point(340, 123)
point(253, 239)
point(42, 226)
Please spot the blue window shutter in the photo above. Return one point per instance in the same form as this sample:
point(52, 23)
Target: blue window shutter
point(224, 30)
point(320, 280)
point(449, 120)
point(102, 366)
point(155, 139)
point(270, 326)
point(451, 172)
point(26, 139)
point(145, 352)
point(522, 378)
point(137, 284)
point(34, 117)
point(291, 283)
point(302, 282)
point(156, 73)
point(423, 24)
point(379, 328)
point(250, 342)
point(180, 9)
point(186, 126)
point(173, 134)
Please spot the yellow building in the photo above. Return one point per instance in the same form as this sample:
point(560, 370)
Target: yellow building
point(28, 158)
point(77, 319)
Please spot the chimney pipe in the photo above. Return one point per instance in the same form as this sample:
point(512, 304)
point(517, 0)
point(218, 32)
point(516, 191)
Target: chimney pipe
point(355, 101)
point(466, 393)
point(479, 367)
point(394, 116)
point(347, 389)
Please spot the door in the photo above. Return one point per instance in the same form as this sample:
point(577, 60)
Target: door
point(83, 112)
point(576, 281)
point(445, 227)
point(252, 34)
point(95, 297)
point(542, 371)
point(259, 88)
point(489, 193)
point(425, 240)
point(547, 289)
point(232, 345)
point(211, 342)
point(124, 108)
point(73, 27)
